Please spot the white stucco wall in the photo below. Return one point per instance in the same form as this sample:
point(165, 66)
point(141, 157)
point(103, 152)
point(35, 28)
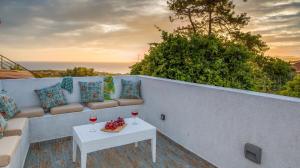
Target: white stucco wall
point(216, 122)
point(22, 90)
point(1, 85)
point(50, 126)
point(213, 122)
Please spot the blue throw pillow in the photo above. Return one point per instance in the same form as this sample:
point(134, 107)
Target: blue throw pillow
point(67, 84)
point(52, 96)
point(130, 89)
point(8, 106)
point(90, 92)
point(3, 125)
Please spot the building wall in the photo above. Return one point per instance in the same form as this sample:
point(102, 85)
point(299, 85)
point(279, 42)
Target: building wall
point(215, 122)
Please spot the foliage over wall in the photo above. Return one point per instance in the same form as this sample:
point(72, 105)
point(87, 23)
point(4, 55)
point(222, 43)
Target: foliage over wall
point(292, 88)
point(198, 59)
point(210, 60)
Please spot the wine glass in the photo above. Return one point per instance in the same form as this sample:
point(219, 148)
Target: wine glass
point(134, 115)
point(93, 119)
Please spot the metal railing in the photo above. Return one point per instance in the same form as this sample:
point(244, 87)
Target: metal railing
point(8, 64)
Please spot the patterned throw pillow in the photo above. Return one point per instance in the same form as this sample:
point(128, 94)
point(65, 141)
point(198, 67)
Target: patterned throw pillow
point(8, 106)
point(109, 87)
point(51, 97)
point(130, 89)
point(3, 125)
point(67, 84)
point(90, 92)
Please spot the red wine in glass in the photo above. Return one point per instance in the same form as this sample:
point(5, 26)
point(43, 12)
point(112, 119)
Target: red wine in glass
point(93, 119)
point(134, 115)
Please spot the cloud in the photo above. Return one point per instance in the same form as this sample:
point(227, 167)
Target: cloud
point(108, 29)
point(121, 29)
point(277, 21)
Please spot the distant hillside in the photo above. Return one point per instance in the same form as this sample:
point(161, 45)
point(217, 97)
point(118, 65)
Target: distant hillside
point(294, 60)
point(61, 73)
point(291, 59)
point(296, 65)
point(14, 74)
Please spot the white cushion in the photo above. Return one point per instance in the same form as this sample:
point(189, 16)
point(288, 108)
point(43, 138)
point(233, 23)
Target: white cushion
point(8, 146)
point(128, 102)
point(102, 105)
point(30, 112)
point(15, 126)
point(69, 108)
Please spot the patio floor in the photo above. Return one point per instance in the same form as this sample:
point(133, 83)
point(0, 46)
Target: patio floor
point(58, 154)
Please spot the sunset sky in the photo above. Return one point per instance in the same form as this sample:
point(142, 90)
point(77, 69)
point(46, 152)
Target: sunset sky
point(120, 30)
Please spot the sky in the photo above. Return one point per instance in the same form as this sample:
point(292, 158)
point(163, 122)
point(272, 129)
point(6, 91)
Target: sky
point(121, 30)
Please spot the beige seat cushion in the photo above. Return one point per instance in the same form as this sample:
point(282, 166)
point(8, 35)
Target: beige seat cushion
point(69, 108)
point(8, 146)
point(15, 126)
point(102, 105)
point(30, 112)
point(127, 102)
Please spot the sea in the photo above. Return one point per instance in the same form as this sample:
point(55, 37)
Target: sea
point(121, 68)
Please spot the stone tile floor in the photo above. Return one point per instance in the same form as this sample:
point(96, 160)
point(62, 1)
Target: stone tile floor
point(58, 154)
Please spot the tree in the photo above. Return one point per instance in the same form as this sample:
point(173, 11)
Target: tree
point(198, 59)
point(278, 71)
point(252, 42)
point(292, 88)
point(80, 71)
point(211, 16)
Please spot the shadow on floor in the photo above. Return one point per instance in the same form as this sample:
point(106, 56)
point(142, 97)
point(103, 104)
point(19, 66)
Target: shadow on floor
point(58, 154)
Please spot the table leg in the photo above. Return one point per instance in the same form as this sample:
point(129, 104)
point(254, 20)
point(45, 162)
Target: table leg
point(74, 150)
point(136, 144)
point(83, 159)
point(153, 146)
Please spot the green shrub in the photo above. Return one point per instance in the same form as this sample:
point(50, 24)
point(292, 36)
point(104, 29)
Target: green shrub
point(292, 88)
point(198, 59)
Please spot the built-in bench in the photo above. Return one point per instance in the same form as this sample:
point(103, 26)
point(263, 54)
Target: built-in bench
point(15, 143)
point(32, 124)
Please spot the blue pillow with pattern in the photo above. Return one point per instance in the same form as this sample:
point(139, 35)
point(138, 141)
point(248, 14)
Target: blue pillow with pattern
point(90, 92)
point(3, 125)
point(52, 96)
point(67, 84)
point(130, 89)
point(8, 106)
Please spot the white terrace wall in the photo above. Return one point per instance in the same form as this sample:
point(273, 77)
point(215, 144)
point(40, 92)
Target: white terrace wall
point(216, 122)
point(1, 88)
point(50, 126)
point(22, 90)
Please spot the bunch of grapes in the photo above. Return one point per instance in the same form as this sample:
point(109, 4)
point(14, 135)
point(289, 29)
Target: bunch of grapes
point(114, 124)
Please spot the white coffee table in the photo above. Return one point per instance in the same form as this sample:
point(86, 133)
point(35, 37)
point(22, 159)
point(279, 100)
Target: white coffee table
point(95, 141)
